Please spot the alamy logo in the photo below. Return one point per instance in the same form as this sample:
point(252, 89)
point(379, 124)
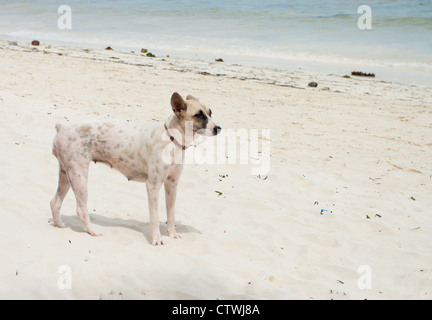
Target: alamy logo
point(64, 22)
point(247, 147)
point(365, 280)
point(64, 282)
point(364, 22)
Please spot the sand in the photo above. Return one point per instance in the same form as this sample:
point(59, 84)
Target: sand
point(359, 148)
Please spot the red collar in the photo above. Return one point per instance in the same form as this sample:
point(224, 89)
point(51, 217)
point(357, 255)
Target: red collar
point(183, 147)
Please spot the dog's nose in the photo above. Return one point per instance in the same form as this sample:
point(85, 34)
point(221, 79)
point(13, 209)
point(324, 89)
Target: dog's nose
point(216, 130)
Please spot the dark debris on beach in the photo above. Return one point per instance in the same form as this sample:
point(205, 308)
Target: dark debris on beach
point(362, 74)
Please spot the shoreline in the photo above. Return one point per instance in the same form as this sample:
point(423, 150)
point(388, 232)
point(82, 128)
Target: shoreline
point(296, 72)
point(408, 70)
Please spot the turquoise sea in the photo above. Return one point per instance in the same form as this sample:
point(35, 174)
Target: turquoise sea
point(315, 34)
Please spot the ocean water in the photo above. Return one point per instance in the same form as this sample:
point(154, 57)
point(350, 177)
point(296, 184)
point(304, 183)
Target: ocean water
point(313, 35)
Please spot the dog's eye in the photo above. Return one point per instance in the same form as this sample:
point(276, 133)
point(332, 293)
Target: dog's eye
point(199, 115)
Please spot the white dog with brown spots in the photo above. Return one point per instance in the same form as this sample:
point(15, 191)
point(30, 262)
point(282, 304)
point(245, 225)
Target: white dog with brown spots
point(138, 152)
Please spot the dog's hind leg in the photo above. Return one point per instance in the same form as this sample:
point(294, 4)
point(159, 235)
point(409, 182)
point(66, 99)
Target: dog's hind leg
point(56, 202)
point(78, 176)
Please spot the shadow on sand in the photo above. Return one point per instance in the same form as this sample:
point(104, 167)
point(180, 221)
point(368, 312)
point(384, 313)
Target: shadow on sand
point(75, 224)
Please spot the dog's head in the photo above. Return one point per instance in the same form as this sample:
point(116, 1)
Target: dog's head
point(197, 113)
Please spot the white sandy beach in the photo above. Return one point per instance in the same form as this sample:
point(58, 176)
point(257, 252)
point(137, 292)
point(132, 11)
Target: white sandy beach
point(360, 148)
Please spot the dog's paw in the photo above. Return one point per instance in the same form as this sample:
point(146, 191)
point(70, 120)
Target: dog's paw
point(58, 224)
point(94, 233)
point(157, 240)
point(174, 234)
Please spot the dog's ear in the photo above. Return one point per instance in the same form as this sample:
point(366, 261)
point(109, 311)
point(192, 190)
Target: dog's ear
point(178, 104)
point(189, 97)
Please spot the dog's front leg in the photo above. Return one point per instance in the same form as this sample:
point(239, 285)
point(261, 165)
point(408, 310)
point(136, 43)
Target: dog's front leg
point(170, 185)
point(153, 196)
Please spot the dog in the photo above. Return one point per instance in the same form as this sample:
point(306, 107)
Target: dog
point(138, 152)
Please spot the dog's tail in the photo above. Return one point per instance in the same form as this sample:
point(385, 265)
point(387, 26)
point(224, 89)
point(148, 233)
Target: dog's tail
point(58, 127)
